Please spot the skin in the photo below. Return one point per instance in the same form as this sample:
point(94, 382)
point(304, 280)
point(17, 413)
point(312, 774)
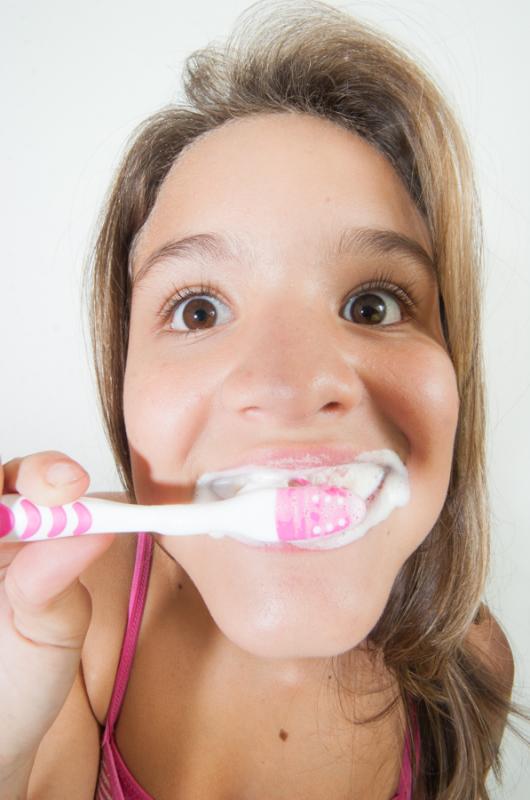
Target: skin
point(286, 184)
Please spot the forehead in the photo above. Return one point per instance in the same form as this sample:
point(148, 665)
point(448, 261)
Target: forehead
point(280, 180)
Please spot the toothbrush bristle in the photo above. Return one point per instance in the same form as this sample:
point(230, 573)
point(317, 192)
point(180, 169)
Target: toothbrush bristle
point(313, 512)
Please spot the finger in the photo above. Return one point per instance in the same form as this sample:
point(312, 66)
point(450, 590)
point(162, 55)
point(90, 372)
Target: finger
point(48, 478)
point(42, 571)
point(47, 598)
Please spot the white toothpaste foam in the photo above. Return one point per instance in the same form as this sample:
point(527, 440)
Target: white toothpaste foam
point(380, 471)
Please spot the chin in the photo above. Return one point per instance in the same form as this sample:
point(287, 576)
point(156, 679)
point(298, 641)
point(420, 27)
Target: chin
point(289, 650)
point(276, 634)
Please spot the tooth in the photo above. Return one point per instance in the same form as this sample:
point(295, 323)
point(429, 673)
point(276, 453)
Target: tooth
point(225, 488)
point(361, 479)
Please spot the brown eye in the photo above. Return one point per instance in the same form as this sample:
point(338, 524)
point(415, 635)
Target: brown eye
point(371, 308)
point(196, 313)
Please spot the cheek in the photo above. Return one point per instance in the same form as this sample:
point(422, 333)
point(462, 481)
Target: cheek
point(429, 407)
point(148, 405)
point(165, 409)
point(418, 392)
point(438, 392)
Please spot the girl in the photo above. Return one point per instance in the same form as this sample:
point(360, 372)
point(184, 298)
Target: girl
point(287, 274)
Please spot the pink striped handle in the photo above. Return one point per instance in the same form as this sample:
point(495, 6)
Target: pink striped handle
point(33, 525)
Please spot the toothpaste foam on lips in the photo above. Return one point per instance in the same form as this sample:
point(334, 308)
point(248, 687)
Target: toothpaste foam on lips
point(378, 477)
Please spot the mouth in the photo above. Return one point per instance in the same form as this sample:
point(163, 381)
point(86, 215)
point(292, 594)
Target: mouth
point(379, 478)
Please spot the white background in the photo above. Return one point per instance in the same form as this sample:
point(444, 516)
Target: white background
point(76, 79)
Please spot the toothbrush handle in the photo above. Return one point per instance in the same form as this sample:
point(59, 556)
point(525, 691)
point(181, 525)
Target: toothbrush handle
point(23, 520)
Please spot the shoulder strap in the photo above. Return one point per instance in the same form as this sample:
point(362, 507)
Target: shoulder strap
point(404, 791)
point(140, 581)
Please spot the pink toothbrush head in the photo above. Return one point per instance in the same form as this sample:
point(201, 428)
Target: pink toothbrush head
point(313, 512)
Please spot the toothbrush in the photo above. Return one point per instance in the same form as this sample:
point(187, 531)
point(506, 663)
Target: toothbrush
point(264, 515)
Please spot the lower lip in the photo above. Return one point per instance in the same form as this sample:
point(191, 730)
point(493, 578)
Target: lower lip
point(282, 547)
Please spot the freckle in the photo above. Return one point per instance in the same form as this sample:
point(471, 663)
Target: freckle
point(180, 586)
point(329, 676)
point(283, 734)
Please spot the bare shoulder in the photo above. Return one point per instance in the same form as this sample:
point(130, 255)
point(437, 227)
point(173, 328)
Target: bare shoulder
point(489, 642)
point(108, 581)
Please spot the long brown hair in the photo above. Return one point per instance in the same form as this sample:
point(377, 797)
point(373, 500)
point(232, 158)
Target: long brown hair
point(311, 58)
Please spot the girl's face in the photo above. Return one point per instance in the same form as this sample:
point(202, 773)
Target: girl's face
point(274, 352)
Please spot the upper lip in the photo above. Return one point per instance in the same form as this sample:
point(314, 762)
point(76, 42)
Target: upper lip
point(299, 456)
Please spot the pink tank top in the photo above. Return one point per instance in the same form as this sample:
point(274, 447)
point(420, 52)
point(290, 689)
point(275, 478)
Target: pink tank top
point(115, 782)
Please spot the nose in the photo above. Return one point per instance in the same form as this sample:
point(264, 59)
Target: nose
point(292, 366)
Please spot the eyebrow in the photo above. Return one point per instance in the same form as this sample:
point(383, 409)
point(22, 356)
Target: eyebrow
point(210, 247)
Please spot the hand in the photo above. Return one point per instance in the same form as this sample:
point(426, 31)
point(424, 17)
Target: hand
point(45, 610)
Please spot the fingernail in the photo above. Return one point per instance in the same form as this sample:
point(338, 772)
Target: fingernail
point(63, 472)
